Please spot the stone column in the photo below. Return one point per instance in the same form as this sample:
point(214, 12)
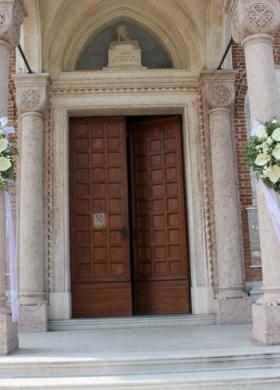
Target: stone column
point(233, 304)
point(254, 23)
point(12, 13)
point(31, 97)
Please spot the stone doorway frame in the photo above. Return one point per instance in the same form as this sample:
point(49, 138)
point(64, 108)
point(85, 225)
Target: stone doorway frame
point(145, 92)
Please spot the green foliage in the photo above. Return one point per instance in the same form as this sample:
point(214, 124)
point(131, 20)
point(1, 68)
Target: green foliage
point(251, 152)
point(260, 154)
point(10, 154)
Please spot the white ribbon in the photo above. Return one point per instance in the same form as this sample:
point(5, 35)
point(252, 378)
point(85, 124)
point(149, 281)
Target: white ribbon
point(11, 242)
point(273, 207)
point(270, 197)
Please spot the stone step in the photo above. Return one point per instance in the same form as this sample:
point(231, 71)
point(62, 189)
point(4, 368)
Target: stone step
point(132, 322)
point(156, 363)
point(254, 379)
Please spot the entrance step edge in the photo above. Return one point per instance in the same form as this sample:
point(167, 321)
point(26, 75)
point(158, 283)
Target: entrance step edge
point(268, 379)
point(24, 367)
point(132, 322)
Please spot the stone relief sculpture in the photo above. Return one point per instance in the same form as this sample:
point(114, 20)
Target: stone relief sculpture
point(124, 38)
point(125, 52)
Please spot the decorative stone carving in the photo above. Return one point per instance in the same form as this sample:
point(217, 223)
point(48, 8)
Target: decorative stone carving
point(218, 93)
point(260, 15)
point(124, 38)
point(124, 53)
point(31, 92)
point(30, 99)
point(252, 17)
point(12, 13)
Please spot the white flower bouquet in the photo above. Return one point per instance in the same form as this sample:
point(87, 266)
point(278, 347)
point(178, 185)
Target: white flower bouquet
point(263, 153)
point(8, 153)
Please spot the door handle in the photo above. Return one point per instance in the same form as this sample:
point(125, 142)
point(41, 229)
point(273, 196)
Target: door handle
point(135, 234)
point(124, 232)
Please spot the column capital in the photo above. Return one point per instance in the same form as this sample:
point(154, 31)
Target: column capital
point(252, 17)
point(12, 13)
point(32, 92)
point(218, 88)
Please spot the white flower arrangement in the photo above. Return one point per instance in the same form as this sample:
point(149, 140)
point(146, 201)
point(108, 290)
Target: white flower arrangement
point(263, 153)
point(8, 154)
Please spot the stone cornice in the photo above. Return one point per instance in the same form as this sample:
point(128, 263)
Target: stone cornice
point(253, 17)
point(32, 92)
point(12, 13)
point(218, 88)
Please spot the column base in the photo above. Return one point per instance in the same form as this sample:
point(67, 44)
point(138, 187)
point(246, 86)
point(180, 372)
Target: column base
point(234, 310)
point(8, 335)
point(34, 317)
point(266, 323)
point(60, 305)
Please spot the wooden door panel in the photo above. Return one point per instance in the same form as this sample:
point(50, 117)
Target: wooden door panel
point(100, 263)
point(160, 261)
point(161, 297)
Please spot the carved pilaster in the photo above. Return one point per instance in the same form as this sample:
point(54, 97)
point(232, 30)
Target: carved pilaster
point(252, 17)
point(233, 306)
point(32, 101)
point(12, 13)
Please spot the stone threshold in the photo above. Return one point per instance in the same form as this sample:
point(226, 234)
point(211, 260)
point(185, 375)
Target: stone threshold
point(132, 322)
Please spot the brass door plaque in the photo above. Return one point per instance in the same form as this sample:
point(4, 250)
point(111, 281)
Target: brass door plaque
point(99, 220)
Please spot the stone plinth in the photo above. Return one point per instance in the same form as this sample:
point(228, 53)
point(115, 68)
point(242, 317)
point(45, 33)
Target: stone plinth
point(8, 334)
point(124, 56)
point(266, 320)
point(8, 329)
point(234, 310)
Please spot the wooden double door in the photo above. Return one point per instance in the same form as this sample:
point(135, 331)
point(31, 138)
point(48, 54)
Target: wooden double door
point(127, 212)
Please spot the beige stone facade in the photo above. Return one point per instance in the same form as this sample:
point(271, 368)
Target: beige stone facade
point(195, 34)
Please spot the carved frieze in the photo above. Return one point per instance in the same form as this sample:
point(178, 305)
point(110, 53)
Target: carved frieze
point(253, 17)
point(12, 13)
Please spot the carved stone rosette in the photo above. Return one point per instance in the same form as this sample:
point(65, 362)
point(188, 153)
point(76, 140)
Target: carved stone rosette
point(31, 92)
point(252, 17)
point(218, 88)
point(12, 13)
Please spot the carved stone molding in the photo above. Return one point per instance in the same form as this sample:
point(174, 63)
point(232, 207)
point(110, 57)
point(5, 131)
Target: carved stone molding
point(253, 17)
point(32, 92)
point(218, 88)
point(12, 13)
